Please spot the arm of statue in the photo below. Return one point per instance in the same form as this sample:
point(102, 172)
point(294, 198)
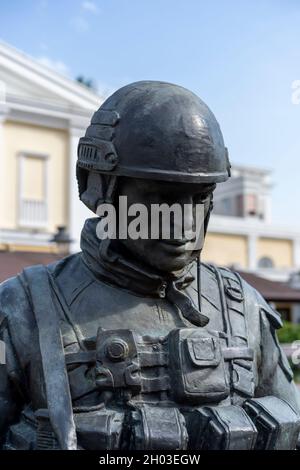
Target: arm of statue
point(275, 373)
point(13, 337)
point(11, 399)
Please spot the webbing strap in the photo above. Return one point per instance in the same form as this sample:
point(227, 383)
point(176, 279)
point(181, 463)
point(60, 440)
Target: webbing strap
point(52, 353)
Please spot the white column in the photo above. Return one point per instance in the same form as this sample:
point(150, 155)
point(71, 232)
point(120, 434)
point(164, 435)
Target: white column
point(267, 208)
point(296, 313)
point(2, 149)
point(252, 255)
point(296, 252)
point(77, 210)
point(3, 115)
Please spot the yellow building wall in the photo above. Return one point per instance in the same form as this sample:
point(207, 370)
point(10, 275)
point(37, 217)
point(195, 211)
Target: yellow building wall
point(18, 138)
point(280, 251)
point(225, 250)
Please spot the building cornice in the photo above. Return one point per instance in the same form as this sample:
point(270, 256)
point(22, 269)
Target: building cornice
point(54, 118)
point(249, 226)
point(27, 68)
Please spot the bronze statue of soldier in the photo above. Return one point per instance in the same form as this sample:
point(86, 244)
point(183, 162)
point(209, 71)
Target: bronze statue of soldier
point(135, 344)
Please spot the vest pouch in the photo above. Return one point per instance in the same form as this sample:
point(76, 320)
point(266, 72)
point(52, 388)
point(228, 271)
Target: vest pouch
point(157, 428)
point(22, 435)
point(96, 429)
point(221, 428)
point(278, 424)
point(197, 366)
point(99, 429)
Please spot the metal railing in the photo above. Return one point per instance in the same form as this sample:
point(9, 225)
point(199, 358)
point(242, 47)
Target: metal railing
point(33, 213)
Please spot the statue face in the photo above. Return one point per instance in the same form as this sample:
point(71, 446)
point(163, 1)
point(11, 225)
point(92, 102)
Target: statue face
point(173, 253)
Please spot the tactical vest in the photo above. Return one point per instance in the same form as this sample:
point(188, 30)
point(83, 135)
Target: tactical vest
point(192, 388)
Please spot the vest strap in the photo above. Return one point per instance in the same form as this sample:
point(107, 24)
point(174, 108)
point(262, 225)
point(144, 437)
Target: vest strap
point(52, 354)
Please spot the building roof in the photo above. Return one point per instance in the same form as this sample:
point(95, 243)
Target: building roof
point(11, 263)
point(272, 291)
point(26, 78)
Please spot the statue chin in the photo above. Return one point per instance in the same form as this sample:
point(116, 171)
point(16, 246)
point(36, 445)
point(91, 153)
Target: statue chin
point(157, 256)
point(168, 264)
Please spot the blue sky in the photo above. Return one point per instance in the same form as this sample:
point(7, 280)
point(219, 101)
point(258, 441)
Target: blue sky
point(240, 56)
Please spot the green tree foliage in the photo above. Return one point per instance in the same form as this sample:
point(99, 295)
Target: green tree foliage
point(289, 332)
point(88, 82)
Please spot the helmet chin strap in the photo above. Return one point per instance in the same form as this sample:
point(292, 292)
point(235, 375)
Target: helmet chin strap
point(206, 221)
point(199, 282)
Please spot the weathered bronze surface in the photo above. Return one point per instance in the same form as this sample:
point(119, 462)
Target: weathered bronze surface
point(121, 346)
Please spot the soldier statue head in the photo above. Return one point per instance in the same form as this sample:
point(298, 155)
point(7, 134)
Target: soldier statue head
point(154, 143)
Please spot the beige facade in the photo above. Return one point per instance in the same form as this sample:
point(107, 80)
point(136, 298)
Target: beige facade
point(279, 251)
point(226, 250)
point(234, 250)
point(40, 146)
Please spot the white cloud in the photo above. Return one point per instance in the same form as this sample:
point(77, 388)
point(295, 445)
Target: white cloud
point(56, 65)
point(79, 24)
point(90, 6)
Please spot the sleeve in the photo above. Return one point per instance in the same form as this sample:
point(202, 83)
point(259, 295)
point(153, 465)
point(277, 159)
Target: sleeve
point(11, 398)
point(275, 373)
point(16, 336)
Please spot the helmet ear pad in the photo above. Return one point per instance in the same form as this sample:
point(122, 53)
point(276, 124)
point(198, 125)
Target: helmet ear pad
point(93, 194)
point(95, 188)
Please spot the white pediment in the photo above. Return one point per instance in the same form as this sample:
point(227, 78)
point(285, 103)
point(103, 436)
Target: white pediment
point(16, 87)
point(25, 79)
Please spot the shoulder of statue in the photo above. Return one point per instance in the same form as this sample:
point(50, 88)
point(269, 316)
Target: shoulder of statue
point(255, 302)
point(227, 280)
point(16, 319)
point(238, 289)
point(271, 314)
point(71, 275)
point(13, 299)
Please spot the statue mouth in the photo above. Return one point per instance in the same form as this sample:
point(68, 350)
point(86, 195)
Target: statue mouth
point(175, 242)
point(175, 246)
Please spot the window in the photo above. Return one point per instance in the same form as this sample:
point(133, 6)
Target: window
point(251, 204)
point(33, 204)
point(239, 205)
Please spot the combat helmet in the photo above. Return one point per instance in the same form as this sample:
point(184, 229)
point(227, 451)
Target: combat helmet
point(154, 130)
